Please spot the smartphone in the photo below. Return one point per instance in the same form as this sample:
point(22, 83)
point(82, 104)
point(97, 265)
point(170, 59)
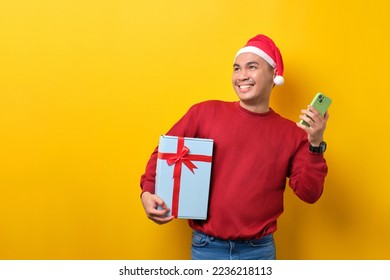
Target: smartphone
point(321, 103)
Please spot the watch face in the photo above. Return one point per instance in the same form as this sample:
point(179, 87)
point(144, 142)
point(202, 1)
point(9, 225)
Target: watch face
point(320, 149)
point(323, 146)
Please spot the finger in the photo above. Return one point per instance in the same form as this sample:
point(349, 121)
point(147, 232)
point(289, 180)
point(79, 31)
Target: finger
point(154, 201)
point(161, 221)
point(312, 113)
point(326, 116)
point(317, 120)
point(305, 117)
point(157, 212)
point(304, 127)
point(317, 116)
point(162, 204)
point(312, 109)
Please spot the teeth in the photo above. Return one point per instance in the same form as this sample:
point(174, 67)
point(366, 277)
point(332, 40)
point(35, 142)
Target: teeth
point(245, 86)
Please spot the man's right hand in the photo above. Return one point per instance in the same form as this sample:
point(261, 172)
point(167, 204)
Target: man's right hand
point(150, 203)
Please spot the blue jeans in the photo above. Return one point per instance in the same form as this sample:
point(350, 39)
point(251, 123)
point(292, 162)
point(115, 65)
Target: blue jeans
point(205, 247)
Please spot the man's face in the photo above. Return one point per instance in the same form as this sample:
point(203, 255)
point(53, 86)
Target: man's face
point(252, 79)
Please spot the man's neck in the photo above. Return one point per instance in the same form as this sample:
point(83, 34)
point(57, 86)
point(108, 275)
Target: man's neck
point(256, 108)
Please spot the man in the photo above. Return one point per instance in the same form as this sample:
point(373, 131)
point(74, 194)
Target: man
point(255, 150)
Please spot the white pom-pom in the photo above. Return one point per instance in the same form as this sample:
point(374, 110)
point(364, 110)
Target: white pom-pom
point(278, 80)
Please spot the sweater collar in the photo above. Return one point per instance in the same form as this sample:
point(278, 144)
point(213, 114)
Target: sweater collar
point(246, 112)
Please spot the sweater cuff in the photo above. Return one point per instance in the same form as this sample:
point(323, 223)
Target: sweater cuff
point(318, 160)
point(147, 188)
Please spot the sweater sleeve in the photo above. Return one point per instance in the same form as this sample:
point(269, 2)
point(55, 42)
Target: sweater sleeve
point(308, 172)
point(185, 127)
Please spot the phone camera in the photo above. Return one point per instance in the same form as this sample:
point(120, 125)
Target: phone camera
point(321, 98)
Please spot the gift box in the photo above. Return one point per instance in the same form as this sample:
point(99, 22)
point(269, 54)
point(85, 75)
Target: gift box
point(183, 175)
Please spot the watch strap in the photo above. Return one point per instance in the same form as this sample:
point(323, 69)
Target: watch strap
point(318, 150)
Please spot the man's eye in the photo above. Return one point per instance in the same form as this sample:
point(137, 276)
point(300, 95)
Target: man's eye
point(252, 67)
point(236, 69)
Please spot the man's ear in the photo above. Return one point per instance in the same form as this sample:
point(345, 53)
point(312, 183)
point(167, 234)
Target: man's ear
point(275, 70)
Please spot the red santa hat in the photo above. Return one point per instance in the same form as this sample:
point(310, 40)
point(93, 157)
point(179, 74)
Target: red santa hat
point(264, 47)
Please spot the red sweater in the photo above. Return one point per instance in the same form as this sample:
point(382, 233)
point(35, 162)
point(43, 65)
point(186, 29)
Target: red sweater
point(253, 156)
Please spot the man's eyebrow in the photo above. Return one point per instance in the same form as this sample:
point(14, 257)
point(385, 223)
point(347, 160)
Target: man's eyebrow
point(248, 63)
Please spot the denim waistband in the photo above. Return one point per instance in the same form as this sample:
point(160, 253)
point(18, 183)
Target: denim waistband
point(212, 238)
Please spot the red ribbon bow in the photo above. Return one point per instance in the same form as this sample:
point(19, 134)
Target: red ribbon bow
point(182, 156)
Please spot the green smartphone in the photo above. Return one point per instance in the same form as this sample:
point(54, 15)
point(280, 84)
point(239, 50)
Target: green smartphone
point(321, 103)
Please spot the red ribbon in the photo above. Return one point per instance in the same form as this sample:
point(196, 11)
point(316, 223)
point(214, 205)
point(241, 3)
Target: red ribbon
point(182, 156)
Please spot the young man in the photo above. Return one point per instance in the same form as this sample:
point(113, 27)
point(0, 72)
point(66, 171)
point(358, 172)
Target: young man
point(255, 150)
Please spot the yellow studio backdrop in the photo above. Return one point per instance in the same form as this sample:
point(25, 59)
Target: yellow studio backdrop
point(87, 87)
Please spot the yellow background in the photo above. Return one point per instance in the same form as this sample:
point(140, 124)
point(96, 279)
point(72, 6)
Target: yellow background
point(87, 87)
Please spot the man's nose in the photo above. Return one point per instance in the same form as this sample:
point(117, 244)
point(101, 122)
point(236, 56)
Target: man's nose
point(243, 75)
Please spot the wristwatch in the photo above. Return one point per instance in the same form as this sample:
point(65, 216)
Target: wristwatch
point(318, 150)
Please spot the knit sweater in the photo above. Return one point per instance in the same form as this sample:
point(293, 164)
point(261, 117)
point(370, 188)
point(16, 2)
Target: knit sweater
point(253, 156)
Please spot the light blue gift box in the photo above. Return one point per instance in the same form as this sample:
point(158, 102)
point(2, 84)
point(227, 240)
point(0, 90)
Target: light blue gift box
point(187, 193)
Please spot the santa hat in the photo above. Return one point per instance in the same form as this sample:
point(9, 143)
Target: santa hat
point(264, 47)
